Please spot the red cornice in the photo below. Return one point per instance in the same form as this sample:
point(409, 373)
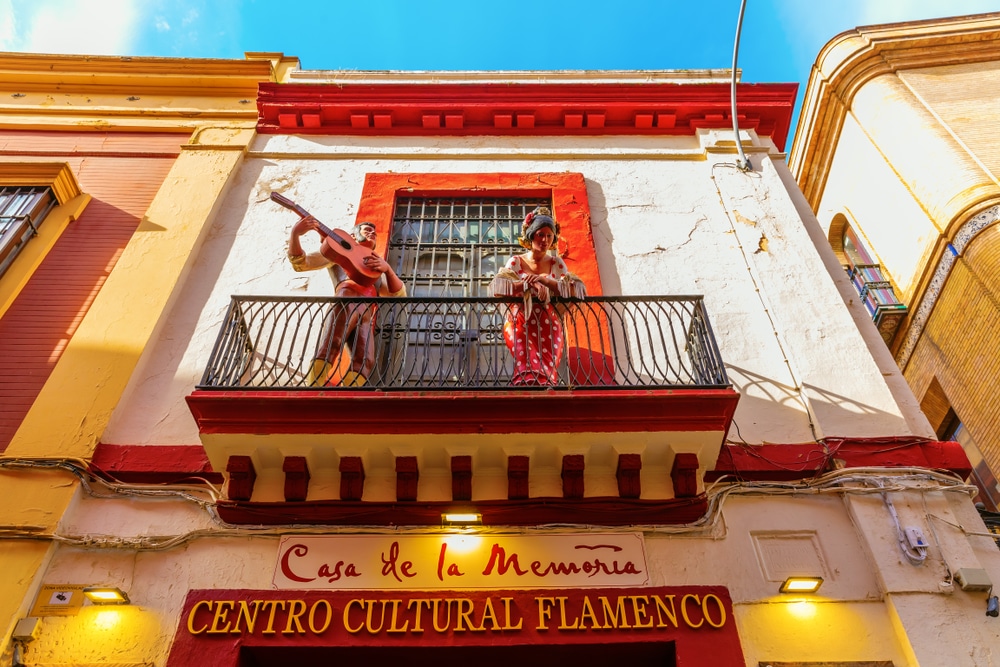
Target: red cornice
point(377, 412)
point(537, 109)
point(153, 464)
point(163, 463)
point(801, 461)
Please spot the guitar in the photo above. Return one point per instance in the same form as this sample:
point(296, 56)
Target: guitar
point(338, 246)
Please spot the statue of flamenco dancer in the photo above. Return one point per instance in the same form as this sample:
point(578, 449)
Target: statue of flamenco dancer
point(534, 333)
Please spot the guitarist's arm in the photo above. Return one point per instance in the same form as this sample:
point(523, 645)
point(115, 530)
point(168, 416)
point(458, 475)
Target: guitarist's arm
point(393, 285)
point(299, 259)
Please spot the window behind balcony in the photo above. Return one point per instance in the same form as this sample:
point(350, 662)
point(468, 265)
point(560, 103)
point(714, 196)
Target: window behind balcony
point(22, 209)
point(451, 247)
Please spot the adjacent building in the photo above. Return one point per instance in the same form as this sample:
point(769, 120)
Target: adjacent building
point(896, 152)
point(640, 473)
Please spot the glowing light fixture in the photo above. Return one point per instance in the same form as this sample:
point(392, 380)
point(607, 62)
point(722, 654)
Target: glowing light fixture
point(106, 595)
point(801, 585)
point(462, 519)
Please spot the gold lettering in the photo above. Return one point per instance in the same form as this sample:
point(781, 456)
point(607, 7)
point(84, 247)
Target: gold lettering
point(222, 609)
point(420, 602)
point(562, 616)
point(641, 611)
point(465, 609)
point(506, 616)
point(722, 610)
point(392, 622)
point(368, 617)
point(447, 605)
point(312, 617)
point(489, 614)
point(347, 611)
point(588, 612)
point(617, 614)
point(296, 608)
point(544, 612)
point(274, 605)
point(662, 609)
point(243, 614)
point(684, 611)
point(191, 615)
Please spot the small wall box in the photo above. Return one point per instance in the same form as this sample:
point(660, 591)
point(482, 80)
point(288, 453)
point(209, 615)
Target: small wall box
point(973, 579)
point(26, 629)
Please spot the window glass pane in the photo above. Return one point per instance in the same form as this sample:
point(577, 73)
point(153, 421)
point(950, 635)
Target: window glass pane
point(21, 211)
point(454, 246)
point(982, 476)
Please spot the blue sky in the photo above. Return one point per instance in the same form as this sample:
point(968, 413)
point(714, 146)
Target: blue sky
point(779, 44)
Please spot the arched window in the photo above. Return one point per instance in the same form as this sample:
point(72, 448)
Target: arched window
point(871, 282)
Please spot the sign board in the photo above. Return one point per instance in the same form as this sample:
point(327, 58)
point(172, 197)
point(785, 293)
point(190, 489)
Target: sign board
point(216, 627)
point(58, 600)
point(476, 561)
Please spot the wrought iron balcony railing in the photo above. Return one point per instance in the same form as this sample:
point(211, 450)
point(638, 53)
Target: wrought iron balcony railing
point(458, 343)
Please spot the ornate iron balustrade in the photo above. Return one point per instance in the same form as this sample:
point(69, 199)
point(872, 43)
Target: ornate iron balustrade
point(458, 343)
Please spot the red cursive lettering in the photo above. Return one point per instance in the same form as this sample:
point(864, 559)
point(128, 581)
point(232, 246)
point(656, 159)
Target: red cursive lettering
point(299, 550)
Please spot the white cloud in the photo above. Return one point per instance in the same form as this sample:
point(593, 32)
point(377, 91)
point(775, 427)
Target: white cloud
point(891, 11)
point(8, 26)
point(161, 24)
point(71, 26)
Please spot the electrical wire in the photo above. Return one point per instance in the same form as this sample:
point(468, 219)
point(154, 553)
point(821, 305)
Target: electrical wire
point(916, 555)
point(743, 162)
point(765, 303)
point(852, 481)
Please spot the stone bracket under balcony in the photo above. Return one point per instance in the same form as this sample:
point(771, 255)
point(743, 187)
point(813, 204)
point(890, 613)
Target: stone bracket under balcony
point(607, 457)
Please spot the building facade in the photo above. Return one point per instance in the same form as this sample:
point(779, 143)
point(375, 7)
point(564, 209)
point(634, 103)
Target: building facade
point(630, 474)
point(912, 102)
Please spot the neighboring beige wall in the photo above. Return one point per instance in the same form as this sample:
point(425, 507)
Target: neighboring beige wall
point(864, 187)
point(959, 344)
point(963, 97)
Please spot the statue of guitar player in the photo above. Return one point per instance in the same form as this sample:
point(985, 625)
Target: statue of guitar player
point(350, 324)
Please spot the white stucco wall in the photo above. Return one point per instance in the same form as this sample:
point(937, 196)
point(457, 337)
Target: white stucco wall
point(870, 604)
point(669, 217)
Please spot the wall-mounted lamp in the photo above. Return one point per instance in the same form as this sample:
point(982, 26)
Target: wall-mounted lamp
point(462, 519)
point(106, 595)
point(801, 585)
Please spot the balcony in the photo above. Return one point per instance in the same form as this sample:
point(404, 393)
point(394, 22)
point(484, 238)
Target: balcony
point(422, 344)
point(635, 383)
point(624, 363)
point(879, 298)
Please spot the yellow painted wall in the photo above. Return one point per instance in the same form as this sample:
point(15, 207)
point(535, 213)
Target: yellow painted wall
point(215, 100)
point(70, 413)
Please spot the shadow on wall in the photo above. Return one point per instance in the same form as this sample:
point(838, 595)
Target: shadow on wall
point(161, 385)
point(773, 412)
point(603, 239)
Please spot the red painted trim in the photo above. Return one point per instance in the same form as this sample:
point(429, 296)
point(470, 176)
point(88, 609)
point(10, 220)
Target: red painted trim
point(800, 461)
point(567, 190)
point(377, 412)
point(526, 621)
point(538, 109)
point(153, 464)
point(530, 512)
